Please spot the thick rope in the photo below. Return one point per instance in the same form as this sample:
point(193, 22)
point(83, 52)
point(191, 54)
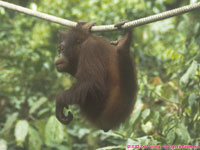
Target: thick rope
point(135, 23)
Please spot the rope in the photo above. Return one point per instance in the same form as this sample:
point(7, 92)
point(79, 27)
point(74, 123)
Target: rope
point(135, 23)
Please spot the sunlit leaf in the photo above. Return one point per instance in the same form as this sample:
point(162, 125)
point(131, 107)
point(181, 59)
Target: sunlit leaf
point(147, 127)
point(54, 132)
point(3, 144)
point(21, 131)
point(37, 104)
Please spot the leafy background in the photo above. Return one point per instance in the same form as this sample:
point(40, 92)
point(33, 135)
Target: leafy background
point(168, 61)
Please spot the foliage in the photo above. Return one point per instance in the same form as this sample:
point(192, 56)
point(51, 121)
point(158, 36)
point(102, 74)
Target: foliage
point(168, 61)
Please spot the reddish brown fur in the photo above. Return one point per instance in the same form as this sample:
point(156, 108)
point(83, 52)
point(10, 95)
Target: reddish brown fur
point(106, 85)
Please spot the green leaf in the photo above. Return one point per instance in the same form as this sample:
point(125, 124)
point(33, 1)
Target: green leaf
point(189, 74)
point(21, 131)
point(145, 113)
point(156, 117)
point(143, 140)
point(54, 132)
point(3, 144)
point(35, 141)
point(148, 127)
point(9, 124)
point(111, 147)
point(134, 117)
point(37, 105)
point(192, 98)
point(82, 132)
point(171, 137)
point(183, 133)
point(131, 142)
point(43, 111)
